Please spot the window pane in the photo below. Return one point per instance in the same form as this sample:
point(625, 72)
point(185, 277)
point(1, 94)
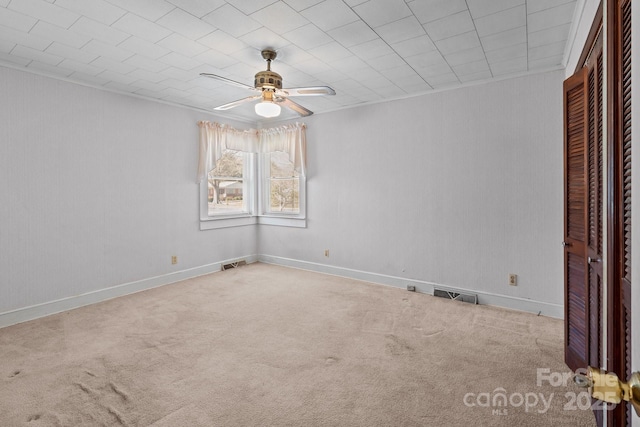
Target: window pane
point(284, 185)
point(226, 184)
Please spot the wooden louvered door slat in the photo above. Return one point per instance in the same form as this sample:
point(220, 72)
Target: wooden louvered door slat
point(575, 227)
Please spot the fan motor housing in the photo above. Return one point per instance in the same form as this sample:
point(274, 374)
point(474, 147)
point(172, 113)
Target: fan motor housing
point(267, 79)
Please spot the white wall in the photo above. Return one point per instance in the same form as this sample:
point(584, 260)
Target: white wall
point(97, 189)
point(458, 188)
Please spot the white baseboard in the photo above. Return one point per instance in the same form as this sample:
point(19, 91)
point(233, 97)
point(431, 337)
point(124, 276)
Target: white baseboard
point(486, 298)
point(52, 307)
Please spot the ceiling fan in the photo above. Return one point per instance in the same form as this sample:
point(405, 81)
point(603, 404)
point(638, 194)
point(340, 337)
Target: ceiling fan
point(272, 95)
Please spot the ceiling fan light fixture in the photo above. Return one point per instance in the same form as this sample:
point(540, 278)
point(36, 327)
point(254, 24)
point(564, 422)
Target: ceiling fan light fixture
point(267, 109)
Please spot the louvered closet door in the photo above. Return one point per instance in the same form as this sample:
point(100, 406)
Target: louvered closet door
point(595, 202)
point(595, 144)
point(575, 207)
point(620, 344)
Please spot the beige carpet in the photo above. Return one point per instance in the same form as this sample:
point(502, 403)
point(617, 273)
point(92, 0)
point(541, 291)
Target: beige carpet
point(264, 345)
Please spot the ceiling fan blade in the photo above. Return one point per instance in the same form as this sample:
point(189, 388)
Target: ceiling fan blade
point(236, 103)
point(294, 106)
point(308, 91)
point(228, 81)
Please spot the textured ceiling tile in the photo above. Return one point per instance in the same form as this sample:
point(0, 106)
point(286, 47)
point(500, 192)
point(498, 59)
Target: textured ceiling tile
point(49, 69)
point(10, 35)
point(450, 26)
point(140, 27)
point(501, 21)
point(149, 9)
point(480, 8)
point(279, 17)
point(548, 36)
point(513, 65)
point(81, 67)
point(443, 80)
point(250, 6)
point(143, 47)
point(263, 38)
point(473, 77)
point(400, 72)
point(391, 60)
point(98, 10)
point(330, 52)
point(352, 34)
point(432, 10)
point(380, 12)
point(546, 51)
point(544, 63)
point(181, 44)
point(427, 59)
point(198, 8)
point(147, 76)
point(330, 14)
point(148, 64)
point(300, 5)
point(109, 64)
point(515, 51)
point(14, 60)
point(222, 41)
point(471, 68)
point(402, 29)
point(307, 37)
point(16, 20)
point(186, 24)
point(59, 34)
point(457, 43)
point(45, 11)
point(99, 31)
point(70, 53)
point(465, 56)
point(504, 39)
point(414, 46)
point(534, 6)
point(292, 54)
point(350, 64)
point(550, 18)
point(371, 49)
point(89, 79)
point(178, 61)
point(232, 21)
point(107, 50)
point(36, 55)
point(6, 46)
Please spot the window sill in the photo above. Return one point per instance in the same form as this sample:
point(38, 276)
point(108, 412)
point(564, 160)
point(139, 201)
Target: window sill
point(213, 223)
point(283, 221)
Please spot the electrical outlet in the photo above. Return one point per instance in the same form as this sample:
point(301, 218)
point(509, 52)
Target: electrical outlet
point(174, 259)
point(326, 252)
point(513, 279)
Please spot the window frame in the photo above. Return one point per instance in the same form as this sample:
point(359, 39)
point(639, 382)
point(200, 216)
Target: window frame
point(297, 219)
point(256, 176)
point(232, 218)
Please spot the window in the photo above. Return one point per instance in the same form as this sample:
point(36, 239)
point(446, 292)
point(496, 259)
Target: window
point(227, 186)
point(251, 177)
point(282, 185)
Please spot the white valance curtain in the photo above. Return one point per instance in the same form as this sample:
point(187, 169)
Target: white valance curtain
point(215, 137)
